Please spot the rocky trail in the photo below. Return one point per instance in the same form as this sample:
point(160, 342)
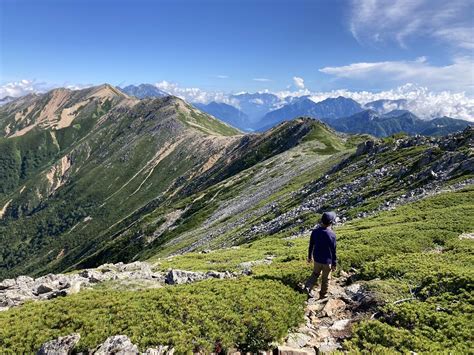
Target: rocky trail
point(329, 321)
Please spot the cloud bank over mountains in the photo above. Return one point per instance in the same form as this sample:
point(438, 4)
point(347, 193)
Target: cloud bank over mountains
point(421, 101)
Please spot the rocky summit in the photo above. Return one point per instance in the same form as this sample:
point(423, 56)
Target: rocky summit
point(136, 224)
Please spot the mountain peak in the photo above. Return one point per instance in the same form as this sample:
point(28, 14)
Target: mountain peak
point(143, 91)
point(107, 91)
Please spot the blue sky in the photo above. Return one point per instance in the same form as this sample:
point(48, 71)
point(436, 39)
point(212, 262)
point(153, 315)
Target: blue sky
point(220, 44)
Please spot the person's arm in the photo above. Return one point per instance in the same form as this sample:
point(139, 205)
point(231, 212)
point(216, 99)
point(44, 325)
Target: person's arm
point(311, 247)
point(333, 253)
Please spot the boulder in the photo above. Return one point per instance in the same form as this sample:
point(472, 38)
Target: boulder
point(341, 324)
point(297, 340)
point(60, 346)
point(118, 345)
point(43, 288)
point(160, 350)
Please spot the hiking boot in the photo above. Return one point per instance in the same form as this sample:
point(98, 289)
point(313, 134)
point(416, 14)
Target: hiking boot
point(309, 292)
point(323, 297)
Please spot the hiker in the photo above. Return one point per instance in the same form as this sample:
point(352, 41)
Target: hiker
point(322, 251)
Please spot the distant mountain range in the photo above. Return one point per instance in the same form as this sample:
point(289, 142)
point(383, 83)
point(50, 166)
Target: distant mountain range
point(396, 121)
point(331, 108)
point(262, 111)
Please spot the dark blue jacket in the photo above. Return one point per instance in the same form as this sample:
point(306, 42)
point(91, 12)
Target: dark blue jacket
point(322, 246)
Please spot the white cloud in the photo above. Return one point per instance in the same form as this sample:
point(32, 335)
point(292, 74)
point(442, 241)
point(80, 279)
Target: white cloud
point(222, 76)
point(456, 76)
point(263, 80)
point(377, 21)
point(257, 101)
point(194, 94)
point(421, 101)
point(21, 88)
point(298, 82)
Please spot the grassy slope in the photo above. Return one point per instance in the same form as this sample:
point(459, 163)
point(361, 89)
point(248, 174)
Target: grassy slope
point(407, 248)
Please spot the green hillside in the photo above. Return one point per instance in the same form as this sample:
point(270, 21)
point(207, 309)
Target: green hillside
point(407, 243)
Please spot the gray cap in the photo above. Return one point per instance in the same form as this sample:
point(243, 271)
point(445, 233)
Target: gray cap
point(328, 217)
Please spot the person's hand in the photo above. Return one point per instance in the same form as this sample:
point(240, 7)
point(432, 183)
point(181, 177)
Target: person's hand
point(309, 260)
point(333, 268)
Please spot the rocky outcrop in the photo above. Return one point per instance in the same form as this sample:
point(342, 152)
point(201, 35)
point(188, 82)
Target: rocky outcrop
point(60, 346)
point(14, 292)
point(116, 344)
point(178, 277)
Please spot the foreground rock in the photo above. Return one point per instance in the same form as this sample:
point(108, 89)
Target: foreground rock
point(60, 346)
point(117, 345)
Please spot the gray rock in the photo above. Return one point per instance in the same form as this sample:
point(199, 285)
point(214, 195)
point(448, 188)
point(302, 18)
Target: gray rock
point(43, 288)
point(60, 346)
point(118, 345)
point(160, 350)
point(340, 325)
point(6, 284)
point(178, 277)
point(287, 350)
point(297, 340)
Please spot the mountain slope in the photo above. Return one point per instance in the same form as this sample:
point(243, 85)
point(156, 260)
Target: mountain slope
point(226, 113)
point(59, 198)
point(57, 109)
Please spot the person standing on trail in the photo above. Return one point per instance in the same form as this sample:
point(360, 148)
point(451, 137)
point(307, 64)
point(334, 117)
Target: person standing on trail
point(322, 251)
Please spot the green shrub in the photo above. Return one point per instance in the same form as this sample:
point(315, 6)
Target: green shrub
point(246, 313)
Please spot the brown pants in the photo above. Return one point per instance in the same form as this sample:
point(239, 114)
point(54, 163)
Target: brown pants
point(325, 269)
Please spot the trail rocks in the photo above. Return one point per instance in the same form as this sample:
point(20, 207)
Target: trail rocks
point(287, 350)
point(60, 346)
point(329, 321)
point(333, 307)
